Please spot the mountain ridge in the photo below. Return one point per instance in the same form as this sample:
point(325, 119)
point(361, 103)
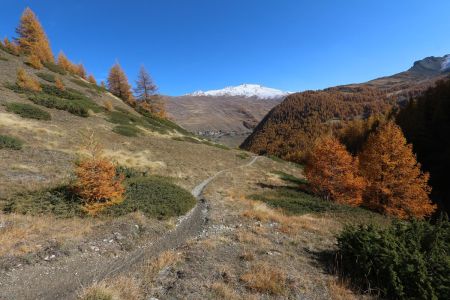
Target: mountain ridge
point(291, 127)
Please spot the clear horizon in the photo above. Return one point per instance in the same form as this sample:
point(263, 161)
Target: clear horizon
point(208, 45)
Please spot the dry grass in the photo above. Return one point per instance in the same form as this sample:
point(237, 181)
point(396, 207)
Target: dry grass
point(339, 290)
point(154, 266)
point(247, 255)
point(265, 278)
point(287, 224)
point(108, 105)
point(25, 234)
point(135, 159)
point(121, 288)
point(244, 236)
point(223, 291)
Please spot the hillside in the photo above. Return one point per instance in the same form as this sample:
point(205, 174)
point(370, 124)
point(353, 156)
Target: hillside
point(289, 129)
point(212, 251)
point(225, 119)
point(46, 240)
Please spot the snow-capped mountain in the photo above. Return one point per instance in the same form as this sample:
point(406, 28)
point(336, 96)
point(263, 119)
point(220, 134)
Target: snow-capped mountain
point(446, 63)
point(244, 90)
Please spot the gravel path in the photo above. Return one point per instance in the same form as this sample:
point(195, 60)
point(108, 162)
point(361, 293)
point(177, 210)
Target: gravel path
point(62, 279)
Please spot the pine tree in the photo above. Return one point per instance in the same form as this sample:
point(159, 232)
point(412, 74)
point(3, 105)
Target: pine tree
point(118, 84)
point(396, 185)
point(32, 38)
point(333, 172)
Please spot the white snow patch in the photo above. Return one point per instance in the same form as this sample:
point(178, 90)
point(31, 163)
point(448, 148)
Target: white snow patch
point(245, 90)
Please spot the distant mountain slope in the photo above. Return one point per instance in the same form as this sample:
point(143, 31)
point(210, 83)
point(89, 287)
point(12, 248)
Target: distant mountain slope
point(289, 129)
point(245, 90)
point(227, 119)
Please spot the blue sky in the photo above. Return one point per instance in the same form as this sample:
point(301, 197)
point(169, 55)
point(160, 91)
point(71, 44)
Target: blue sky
point(292, 45)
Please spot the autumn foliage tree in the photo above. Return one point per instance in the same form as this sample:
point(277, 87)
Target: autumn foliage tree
point(32, 39)
point(333, 172)
point(65, 63)
point(80, 71)
point(396, 185)
point(59, 84)
point(145, 92)
point(34, 61)
point(97, 182)
point(118, 84)
point(11, 47)
point(91, 79)
point(26, 82)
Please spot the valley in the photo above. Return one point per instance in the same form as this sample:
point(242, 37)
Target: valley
point(223, 119)
point(111, 190)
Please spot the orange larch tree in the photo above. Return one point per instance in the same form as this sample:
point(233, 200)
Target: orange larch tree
point(396, 185)
point(59, 84)
point(333, 172)
point(97, 182)
point(91, 79)
point(118, 85)
point(65, 63)
point(80, 71)
point(11, 47)
point(32, 38)
point(26, 82)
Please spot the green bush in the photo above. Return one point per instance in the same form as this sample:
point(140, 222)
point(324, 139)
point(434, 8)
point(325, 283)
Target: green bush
point(61, 104)
point(9, 142)
point(55, 68)
point(159, 124)
point(122, 118)
point(155, 197)
point(69, 100)
point(409, 260)
point(127, 130)
point(47, 76)
point(243, 155)
point(59, 201)
point(294, 202)
point(28, 111)
point(88, 85)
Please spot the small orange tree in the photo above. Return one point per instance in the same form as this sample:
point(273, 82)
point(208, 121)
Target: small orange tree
point(12, 47)
point(34, 62)
point(396, 185)
point(333, 172)
point(59, 84)
point(97, 182)
point(25, 82)
point(91, 79)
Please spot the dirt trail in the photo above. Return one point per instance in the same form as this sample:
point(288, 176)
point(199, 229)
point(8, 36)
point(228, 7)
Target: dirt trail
point(62, 279)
